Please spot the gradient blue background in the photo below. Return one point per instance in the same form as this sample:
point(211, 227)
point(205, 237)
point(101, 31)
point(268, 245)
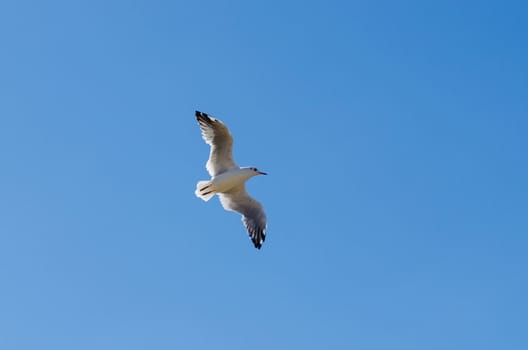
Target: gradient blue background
point(394, 134)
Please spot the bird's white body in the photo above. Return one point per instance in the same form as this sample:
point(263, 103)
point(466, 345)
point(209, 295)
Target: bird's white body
point(224, 182)
point(232, 178)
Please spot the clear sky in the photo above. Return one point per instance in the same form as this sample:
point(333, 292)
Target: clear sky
point(394, 135)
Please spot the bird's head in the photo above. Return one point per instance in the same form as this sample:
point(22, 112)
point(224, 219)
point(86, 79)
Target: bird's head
point(254, 171)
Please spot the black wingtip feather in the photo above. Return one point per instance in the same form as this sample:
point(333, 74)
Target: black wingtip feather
point(257, 238)
point(202, 117)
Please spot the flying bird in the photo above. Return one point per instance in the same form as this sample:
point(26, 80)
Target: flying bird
point(228, 179)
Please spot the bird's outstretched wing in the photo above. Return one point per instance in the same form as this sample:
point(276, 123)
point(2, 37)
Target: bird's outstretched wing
point(216, 134)
point(253, 215)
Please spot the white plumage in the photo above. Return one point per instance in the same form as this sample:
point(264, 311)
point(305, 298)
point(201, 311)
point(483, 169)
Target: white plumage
point(228, 179)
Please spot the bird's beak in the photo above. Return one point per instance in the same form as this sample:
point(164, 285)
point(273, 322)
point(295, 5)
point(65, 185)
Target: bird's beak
point(262, 173)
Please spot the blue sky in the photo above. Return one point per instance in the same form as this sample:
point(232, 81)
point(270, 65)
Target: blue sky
point(394, 135)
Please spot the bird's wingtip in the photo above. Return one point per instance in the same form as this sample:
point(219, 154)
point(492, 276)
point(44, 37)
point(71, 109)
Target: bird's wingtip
point(202, 115)
point(258, 241)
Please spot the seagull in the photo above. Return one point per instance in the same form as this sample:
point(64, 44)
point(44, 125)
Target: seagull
point(228, 179)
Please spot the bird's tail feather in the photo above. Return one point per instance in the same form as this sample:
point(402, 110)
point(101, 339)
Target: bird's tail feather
point(204, 190)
